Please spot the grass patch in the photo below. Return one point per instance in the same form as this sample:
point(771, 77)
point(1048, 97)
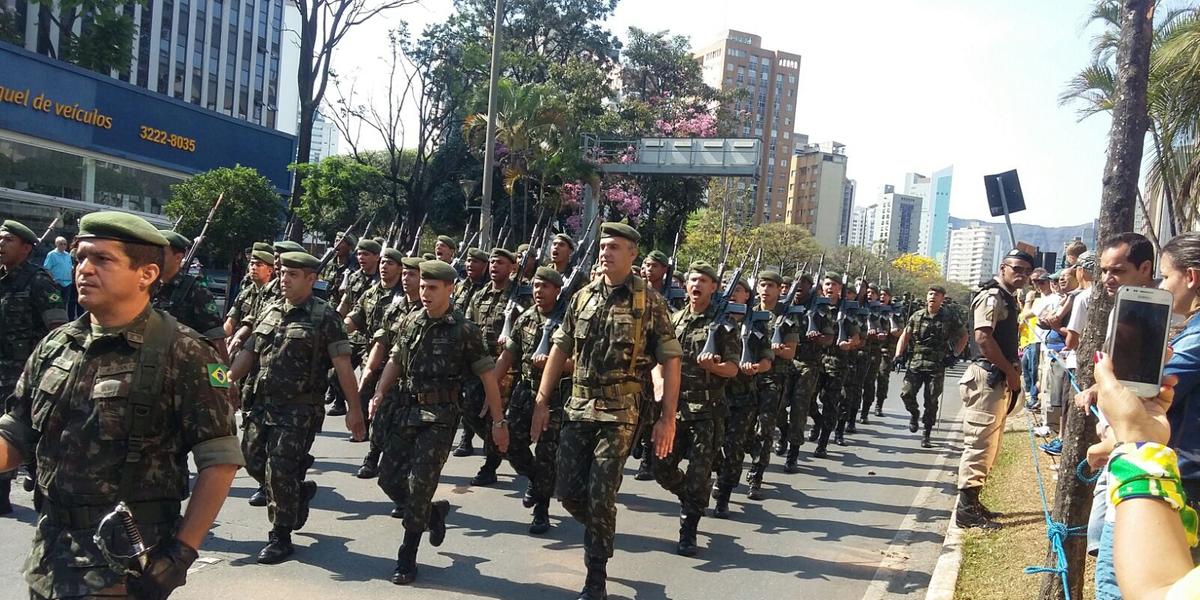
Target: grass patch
point(993, 562)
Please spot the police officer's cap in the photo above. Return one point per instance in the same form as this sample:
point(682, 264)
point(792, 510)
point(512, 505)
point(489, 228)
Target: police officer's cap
point(834, 276)
point(549, 276)
point(621, 230)
point(369, 245)
point(300, 260)
point(20, 231)
point(658, 256)
point(176, 239)
point(411, 262)
point(1020, 254)
point(119, 226)
point(264, 257)
point(504, 253)
point(437, 271)
point(770, 275)
point(565, 239)
point(447, 240)
point(477, 254)
point(287, 246)
point(703, 268)
point(394, 255)
point(937, 288)
point(262, 247)
point(349, 238)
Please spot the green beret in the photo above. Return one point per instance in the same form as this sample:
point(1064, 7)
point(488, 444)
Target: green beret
point(20, 231)
point(806, 277)
point(288, 246)
point(349, 238)
point(565, 239)
point(123, 227)
point(262, 247)
point(264, 257)
point(504, 253)
point(621, 230)
point(300, 260)
point(438, 270)
point(176, 239)
point(447, 240)
point(549, 276)
point(834, 276)
point(412, 262)
point(369, 245)
point(522, 248)
point(788, 279)
point(703, 268)
point(658, 257)
point(394, 255)
point(428, 256)
point(769, 275)
point(477, 254)
point(937, 288)
point(742, 282)
point(873, 286)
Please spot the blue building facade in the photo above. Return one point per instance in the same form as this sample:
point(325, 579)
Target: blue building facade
point(939, 214)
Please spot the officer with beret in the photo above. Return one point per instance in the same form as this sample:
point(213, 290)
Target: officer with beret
point(773, 384)
point(654, 272)
point(295, 342)
point(930, 333)
point(444, 248)
point(143, 393)
point(436, 349)
point(258, 274)
point(184, 296)
point(31, 305)
point(616, 330)
point(476, 278)
point(357, 284)
point(834, 364)
point(336, 269)
point(561, 247)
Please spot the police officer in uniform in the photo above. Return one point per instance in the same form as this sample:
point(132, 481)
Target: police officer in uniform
point(989, 385)
point(930, 333)
point(110, 406)
point(31, 305)
point(616, 329)
point(186, 298)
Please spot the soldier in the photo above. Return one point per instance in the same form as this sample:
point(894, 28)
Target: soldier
point(654, 272)
point(444, 248)
point(186, 298)
point(771, 384)
point(537, 466)
point(989, 384)
point(833, 400)
point(357, 284)
point(437, 347)
point(250, 296)
point(930, 332)
point(877, 333)
point(856, 366)
point(703, 376)
point(561, 247)
point(615, 330)
point(336, 269)
point(149, 392)
point(887, 354)
point(808, 372)
point(487, 312)
point(476, 278)
point(295, 342)
point(31, 305)
point(741, 394)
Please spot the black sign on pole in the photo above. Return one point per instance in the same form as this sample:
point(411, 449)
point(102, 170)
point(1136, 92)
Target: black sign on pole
point(1005, 197)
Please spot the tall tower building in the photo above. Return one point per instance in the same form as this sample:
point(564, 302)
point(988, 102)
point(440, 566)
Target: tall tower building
point(857, 236)
point(816, 192)
point(935, 216)
point(971, 257)
point(895, 223)
point(770, 78)
point(325, 138)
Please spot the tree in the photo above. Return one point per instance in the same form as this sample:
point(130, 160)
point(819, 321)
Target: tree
point(11, 27)
point(104, 42)
point(922, 267)
point(251, 211)
point(1120, 188)
point(339, 190)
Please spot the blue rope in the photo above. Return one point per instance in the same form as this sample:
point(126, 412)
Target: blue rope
point(1057, 532)
point(1081, 473)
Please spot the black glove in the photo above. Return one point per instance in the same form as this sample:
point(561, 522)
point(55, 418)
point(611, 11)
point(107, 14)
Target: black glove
point(165, 571)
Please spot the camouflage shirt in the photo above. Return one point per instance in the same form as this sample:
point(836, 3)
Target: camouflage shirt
point(190, 302)
point(700, 392)
point(267, 295)
point(598, 332)
point(760, 348)
point(791, 333)
point(247, 303)
point(357, 285)
point(70, 413)
point(368, 313)
point(296, 346)
point(487, 311)
point(464, 291)
point(931, 337)
point(434, 355)
point(30, 304)
point(836, 360)
point(527, 334)
point(393, 319)
point(332, 274)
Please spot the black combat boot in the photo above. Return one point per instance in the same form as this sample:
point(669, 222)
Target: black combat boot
point(466, 444)
point(925, 441)
point(527, 499)
point(5, 503)
point(595, 585)
point(755, 491)
point(793, 457)
point(815, 434)
point(967, 513)
point(406, 559)
point(851, 427)
point(487, 473)
point(822, 450)
point(278, 548)
point(638, 450)
point(839, 435)
point(914, 422)
point(687, 535)
point(721, 510)
point(990, 514)
point(437, 522)
point(308, 489)
point(541, 518)
point(879, 409)
point(338, 408)
point(781, 447)
point(370, 464)
point(259, 497)
point(645, 470)
point(863, 417)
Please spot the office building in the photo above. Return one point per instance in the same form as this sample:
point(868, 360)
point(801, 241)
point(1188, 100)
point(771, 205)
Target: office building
point(325, 138)
point(972, 254)
point(817, 192)
point(935, 217)
point(770, 78)
point(857, 236)
point(893, 224)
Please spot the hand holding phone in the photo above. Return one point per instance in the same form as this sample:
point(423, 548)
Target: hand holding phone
point(1137, 338)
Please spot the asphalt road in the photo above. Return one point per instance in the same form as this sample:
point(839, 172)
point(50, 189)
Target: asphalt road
point(868, 522)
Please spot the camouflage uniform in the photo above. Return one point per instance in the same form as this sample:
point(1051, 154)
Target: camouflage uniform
point(464, 291)
point(295, 345)
point(741, 395)
point(808, 373)
point(887, 353)
point(332, 274)
point(835, 367)
point(357, 285)
point(190, 302)
point(395, 310)
point(76, 394)
point(931, 335)
point(434, 356)
point(872, 350)
point(537, 465)
point(247, 302)
point(600, 331)
point(772, 387)
point(487, 312)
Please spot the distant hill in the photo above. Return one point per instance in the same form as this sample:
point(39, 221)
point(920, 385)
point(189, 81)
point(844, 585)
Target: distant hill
point(1048, 239)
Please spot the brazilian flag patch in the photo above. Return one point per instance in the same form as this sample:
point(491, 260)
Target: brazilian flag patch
point(218, 376)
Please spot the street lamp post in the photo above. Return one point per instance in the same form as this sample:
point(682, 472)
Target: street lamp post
point(489, 150)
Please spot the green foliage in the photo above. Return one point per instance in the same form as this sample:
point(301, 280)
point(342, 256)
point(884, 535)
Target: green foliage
point(104, 45)
point(251, 210)
point(12, 30)
point(337, 190)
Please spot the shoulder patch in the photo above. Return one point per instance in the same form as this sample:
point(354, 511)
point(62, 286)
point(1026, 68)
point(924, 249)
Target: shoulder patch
point(218, 376)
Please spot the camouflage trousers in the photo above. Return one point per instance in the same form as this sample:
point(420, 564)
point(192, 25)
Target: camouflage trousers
point(804, 389)
point(333, 394)
point(852, 388)
point(696, 442)
point(771, 388)
point(473, 401)
point(831, 398)
point(411, 466)
point(739, 429)
point(883, 376)
point(536, 464)
point(932, 384)
point(66, 563)
point(277, 442)
point(648, 409)
point(591, 457)
point(869, 380)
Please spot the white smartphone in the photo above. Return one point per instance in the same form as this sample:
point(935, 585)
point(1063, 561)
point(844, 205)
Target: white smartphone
point(1137, 337)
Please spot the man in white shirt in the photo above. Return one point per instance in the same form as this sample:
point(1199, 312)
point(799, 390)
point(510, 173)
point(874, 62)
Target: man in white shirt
point(1037, 301)
point(1065, 393)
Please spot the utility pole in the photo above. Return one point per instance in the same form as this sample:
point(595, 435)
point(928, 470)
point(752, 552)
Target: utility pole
point(489, 146)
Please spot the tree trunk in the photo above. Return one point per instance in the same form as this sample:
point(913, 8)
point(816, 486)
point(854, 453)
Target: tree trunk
point(1119, 195)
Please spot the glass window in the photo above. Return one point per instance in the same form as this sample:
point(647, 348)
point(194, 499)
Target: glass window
point(40, 170)
point(131, 188)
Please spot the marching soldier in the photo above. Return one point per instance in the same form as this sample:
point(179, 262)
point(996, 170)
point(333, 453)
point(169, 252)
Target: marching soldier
point(185, 297)
point(877, 332)
point(616, 329)
point(887, 354)
point(31, 306)
point(295, 342)
point(437, 348)
point(561, 247)
point(654, 272)
point(336, 269)
point(834, 365)
point(930, 333)
point(444, 247)
point(109, 406)
point(357, 284)
point(538, 465)
point(808, 373)
point(702, 395)
point(772, 385)
point(476, 278)
point(250, 296)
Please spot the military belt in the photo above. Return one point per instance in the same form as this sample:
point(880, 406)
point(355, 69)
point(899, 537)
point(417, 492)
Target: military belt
point(303, 398)
point(448, 395)
point(714, 395)
point(612, 392)
point(88, 517)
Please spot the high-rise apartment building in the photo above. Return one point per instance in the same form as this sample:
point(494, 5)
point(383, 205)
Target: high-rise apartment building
point(325, 138)
point(935, 217)
point(770, 78)
point(229, 56)
point(971, 257)
point(817, 192)
point(893, 223)
point(857, 236)
point(849, 190)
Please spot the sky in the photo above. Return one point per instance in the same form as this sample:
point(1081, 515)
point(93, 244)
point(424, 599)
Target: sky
point(906, 85)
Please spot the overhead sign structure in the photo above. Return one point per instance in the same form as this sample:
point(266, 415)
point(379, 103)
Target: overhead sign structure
point(1005, 197)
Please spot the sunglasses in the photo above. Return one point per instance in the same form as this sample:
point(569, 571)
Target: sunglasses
point(1019, 270)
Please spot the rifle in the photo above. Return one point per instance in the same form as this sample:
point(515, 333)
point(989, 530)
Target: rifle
point(517, 290)
point(460, 258)
point(816, 301)
point(416, 244)
point(669, 290)
point(580, 269)
point(191, 253)
point(725, 308)
point(790, 309)
point(329, 252)
point(845, 306)
point(49, 230)
point(752, 317)
point(502, 234)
